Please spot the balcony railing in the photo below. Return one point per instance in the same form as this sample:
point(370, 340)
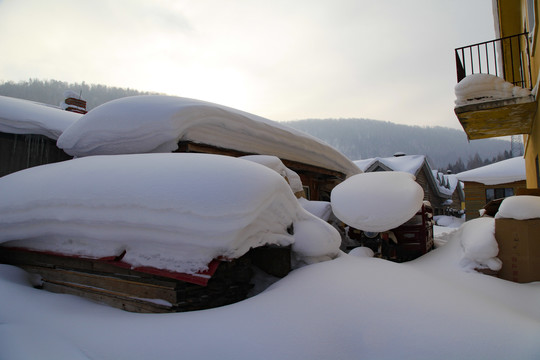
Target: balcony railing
point(507, 57)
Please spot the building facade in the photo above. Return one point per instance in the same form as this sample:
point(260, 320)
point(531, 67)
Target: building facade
point(511, 58)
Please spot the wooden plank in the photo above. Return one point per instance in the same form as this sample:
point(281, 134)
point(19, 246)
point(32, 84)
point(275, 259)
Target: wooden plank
point(106, 297)
point(129, 288)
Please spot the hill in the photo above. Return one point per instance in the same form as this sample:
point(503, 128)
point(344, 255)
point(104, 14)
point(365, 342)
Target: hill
point(52, 91)
point(364, 138)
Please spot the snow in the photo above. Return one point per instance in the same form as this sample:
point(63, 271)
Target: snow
point(274, 163)
point(446, 184)
point(149, 205)
point(477, 88)
point(405, 163)
point(521, 207)
point(19, 116)
point(321, 209)
point(505, 171)
point(154, 123)
point(351, 307)
point(480, 248)
point(377, 201)
point(348, 308)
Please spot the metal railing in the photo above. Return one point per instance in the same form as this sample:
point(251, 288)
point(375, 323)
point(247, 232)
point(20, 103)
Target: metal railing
point(507, 57)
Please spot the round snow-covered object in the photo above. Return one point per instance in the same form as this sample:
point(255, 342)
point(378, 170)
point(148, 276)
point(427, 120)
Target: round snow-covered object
point(362, 251)
point(377, 201)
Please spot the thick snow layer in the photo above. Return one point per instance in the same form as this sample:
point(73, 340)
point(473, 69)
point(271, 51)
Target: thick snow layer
point(506, 171)
point(143, 124)
point(377, 201)
point(521, 207)
point(477, 88)
point(19, 116)
point(347, 308)
point(274, 163)
point(169, 211)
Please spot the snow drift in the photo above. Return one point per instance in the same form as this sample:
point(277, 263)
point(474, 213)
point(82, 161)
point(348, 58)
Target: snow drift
point(168, 211)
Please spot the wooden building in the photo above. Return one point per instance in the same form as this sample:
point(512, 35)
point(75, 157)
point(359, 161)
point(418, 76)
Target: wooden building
point(28, 134)
point(495, 181)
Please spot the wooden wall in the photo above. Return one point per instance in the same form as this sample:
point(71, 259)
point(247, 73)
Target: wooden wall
point(18, 152)
point(475, 195)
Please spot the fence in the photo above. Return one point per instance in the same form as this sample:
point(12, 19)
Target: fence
point(507, 57)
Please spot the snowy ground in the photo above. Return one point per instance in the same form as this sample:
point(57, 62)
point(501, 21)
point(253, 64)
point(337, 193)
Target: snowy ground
point(347, 308)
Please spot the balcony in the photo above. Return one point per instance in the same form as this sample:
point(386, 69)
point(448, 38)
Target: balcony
point(501, 104)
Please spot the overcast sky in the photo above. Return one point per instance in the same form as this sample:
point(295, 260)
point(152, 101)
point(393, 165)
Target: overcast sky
point(388, 60)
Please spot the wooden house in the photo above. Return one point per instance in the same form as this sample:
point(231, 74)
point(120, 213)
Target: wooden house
point(443, 191)
point(495, 181)
point(28, 134)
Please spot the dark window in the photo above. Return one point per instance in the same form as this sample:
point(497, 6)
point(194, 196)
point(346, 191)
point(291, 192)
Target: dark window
point(498, 193)
point(537, 173)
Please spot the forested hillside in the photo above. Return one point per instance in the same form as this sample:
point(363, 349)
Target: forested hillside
point(363, 138)
point(356, 138)
point(52, 91)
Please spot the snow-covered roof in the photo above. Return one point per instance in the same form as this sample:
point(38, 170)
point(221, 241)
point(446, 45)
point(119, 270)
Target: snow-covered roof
point(19, 116)
point(406, 163)
point(477, 88)
point(168, 211)
point(143, 124)
point(444, 184)
point(506, 171)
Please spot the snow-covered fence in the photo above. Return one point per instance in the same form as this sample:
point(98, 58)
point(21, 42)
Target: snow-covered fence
point(507, 57)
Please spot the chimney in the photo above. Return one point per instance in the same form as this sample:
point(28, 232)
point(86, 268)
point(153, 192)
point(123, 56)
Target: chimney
point(73, 102)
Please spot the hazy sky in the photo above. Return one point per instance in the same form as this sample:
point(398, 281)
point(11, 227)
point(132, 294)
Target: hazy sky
point(388, 60)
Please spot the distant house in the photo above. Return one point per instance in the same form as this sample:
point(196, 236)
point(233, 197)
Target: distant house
point(28, 134)
point(494, 181)
point(443, 191)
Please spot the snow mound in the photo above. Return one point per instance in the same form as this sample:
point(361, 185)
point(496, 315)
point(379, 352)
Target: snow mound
point(144, 124)
point(321, 209)
point(168, 211)
point(377, 201)
point(521, 207)
point(477, 88)
point(361, 251)
point(19, 116)
point(506, 171)
point(274, 163)
point(480, 248)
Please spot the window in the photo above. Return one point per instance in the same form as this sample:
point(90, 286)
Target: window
point(537, 173)
point(307, 192)
point(531, 19)
point(498, 193)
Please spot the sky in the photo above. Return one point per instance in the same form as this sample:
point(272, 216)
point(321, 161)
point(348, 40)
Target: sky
point(388, 60)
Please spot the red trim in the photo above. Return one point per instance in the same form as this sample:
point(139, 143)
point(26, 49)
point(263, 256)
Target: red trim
point(200, 278)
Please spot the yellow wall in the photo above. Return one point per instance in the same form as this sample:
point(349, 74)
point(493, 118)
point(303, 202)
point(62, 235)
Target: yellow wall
point(512, 16)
